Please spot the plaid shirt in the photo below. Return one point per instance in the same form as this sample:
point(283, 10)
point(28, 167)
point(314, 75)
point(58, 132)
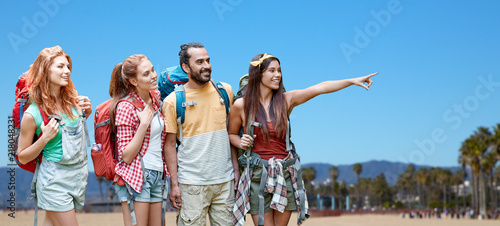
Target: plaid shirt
point(242, 199)
point(127, 123)
point(275, 183)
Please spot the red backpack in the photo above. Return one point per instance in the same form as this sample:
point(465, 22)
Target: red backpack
point(17, 114)
point(104, 152)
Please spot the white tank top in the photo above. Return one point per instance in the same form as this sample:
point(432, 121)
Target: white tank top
point(152, 158)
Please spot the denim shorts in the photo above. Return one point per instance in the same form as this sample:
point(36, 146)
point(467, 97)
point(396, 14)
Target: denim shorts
point(151, 189)
point(61, 188)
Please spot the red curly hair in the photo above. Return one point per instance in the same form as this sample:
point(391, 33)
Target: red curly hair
point(38, 80)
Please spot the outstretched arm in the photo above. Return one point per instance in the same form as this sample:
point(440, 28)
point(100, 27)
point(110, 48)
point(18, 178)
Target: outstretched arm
point(298, 97)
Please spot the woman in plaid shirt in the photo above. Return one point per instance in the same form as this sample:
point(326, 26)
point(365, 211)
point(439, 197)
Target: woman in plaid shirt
point(140, 136)
point(267, 103)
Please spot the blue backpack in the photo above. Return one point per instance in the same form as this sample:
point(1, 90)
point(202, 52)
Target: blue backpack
point(172, 79)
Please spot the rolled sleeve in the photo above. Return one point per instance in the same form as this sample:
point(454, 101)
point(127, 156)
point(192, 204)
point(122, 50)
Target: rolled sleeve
point(126, 121)
point(170, 114)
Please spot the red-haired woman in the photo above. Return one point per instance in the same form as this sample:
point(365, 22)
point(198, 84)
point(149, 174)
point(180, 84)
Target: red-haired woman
point(268, 106)
point(62, 175)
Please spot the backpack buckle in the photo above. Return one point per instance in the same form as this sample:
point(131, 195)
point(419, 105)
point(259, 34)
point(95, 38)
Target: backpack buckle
point(57, 118)
point(190, 103)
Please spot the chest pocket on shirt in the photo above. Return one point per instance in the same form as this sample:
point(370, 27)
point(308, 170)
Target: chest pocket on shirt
point(219, 112)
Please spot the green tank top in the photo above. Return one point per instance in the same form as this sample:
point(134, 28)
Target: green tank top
point(53, 150)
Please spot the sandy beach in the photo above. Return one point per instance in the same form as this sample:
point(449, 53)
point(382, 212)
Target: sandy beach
point(92, 219)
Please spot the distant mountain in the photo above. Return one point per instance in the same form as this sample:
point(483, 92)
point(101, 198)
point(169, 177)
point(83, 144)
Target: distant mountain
point(371, 169)
point(22, 180)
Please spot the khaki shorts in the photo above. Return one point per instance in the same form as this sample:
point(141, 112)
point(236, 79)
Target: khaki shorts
point(254, 193)
point(197, 200)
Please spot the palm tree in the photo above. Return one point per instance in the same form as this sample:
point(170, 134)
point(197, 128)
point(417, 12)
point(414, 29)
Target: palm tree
point(443, 178)
point(308, 175)
point(334, 174)
point(489, 161)
point(343, 192)
point(458, 179)
point(422, 179)
point(473, 152)
point(483, 138)
point(100, 180)
point(380, 190)
point(468, 157)
point(496, 180)
point(405, 184)
point(463, 161)
point(496, 140)
point(358, 168)
point(365, 185)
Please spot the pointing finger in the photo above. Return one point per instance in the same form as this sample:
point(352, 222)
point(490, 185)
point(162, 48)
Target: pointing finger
point(371, 75)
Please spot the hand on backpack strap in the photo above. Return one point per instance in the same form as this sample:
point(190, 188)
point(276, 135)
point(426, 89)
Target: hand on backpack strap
point(50, 130)
point(246, 141)
point(146, 115)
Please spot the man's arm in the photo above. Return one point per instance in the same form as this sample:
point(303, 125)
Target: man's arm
point(236, 168)
point(171, 160)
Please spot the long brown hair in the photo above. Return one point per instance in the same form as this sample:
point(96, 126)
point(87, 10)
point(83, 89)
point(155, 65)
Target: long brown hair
point(278, 108)
point(120, 86)
point(39, 82)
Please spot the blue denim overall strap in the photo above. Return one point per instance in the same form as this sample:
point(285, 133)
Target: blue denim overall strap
point(86, 129)
point(73, 143)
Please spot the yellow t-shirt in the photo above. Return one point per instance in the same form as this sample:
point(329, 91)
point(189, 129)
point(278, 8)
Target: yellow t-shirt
point(204, 157)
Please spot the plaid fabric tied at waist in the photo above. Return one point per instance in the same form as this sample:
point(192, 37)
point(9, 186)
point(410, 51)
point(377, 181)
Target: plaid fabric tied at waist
point(275, 184)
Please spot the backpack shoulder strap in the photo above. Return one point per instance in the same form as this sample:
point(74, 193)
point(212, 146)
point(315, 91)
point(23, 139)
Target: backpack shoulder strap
point(181, 104)
point(222, 93)
point(45, 117)
point(37, 161)
point(135, 102)
point(251, 124)
point(180, 99)
point(156, 99)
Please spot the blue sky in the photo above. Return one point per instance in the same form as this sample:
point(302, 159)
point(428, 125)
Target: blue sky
point(438, 63)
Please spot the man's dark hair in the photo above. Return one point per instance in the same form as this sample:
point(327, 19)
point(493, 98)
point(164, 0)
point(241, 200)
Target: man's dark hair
point(183, 54)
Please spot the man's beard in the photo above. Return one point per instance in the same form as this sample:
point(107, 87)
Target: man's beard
point(197, 78)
